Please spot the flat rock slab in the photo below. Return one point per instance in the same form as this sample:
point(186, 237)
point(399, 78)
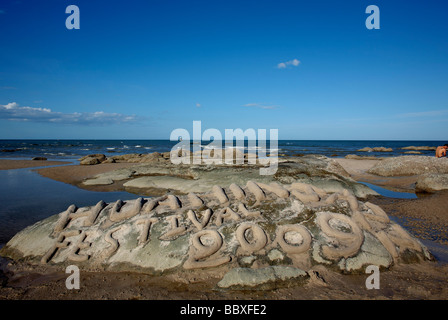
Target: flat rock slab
point(98, 181)
point(432, 183)
point(247, 278)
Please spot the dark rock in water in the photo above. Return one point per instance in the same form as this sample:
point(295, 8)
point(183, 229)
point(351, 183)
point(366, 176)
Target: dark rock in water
point(92, 159)
point(39, 158)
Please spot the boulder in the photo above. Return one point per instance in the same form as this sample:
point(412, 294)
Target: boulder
point(39, 158)
point(92, 159)
point(99, 156)
point(154, 157)
point(109, 160)
point(356, 157)
point(431, 183)
point(89, 161)
point(259, 235)
point(321, 172)
point(98, 182)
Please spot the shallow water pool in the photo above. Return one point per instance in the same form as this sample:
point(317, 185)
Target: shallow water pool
point(389, 193)
point(26, 197)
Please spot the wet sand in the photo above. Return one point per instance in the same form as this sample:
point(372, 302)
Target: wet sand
point(76, 174)
point(6, 164)
point(426, 218)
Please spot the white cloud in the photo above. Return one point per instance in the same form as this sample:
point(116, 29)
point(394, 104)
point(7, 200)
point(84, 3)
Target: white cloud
point(283, 65)
point(198, 105)
point(260, 106)
point(13, 112)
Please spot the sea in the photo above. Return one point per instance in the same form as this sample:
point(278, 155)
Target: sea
point(74, 149)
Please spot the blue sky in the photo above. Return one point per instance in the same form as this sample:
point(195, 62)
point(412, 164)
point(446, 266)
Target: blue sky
point(139, 69)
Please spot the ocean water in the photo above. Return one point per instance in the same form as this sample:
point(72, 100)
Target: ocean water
point(73, 149)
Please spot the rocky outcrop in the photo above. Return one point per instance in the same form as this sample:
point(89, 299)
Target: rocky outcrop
point(425, 148)
point(319, 171)
point(376, 149)
point(432, 183)
point(258, 233)
point(92, 159)
point(356, 157)
point(409, 166)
